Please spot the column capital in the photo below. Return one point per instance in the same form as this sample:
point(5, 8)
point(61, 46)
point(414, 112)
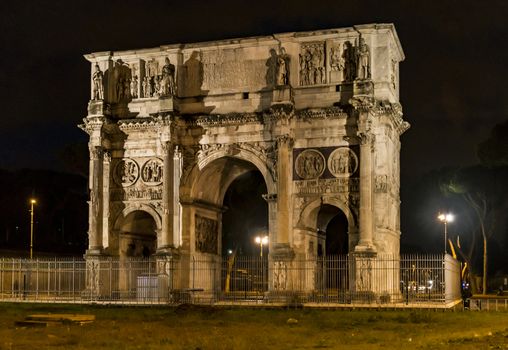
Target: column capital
point(107, 156)
point(362, 103)
point(167, 146)
point(285, 140)
point(366, 137)
point(96, 152)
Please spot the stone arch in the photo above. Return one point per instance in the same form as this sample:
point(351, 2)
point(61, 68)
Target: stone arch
point(202, 191)
point(309, 214)
point(138, 207)
point(188, 180)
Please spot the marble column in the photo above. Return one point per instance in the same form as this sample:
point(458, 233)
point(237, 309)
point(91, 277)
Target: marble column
point(280, 206)
point(95, 203)
point(165, 239)
point(285, 144)
point(105, 198)
point(177, 207)
point(366, 219)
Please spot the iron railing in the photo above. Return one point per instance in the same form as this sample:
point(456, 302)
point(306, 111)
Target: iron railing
point(340, 280)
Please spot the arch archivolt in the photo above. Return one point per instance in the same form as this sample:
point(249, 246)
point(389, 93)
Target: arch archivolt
point(132, 207)
point(208, 156)
point(309, 213)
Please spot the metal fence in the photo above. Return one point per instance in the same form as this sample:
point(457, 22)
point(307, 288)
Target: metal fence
point(334, 280)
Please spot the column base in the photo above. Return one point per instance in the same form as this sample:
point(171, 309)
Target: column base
point(281, 251)
point(93, 252)
point(365, 248)
point(167, 251)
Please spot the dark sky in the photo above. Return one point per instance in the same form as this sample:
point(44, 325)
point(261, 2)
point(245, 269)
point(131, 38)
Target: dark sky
point(453, 87)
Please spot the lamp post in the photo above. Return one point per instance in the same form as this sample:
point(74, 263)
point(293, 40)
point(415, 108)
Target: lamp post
point(445, 219)
point(32, 202)
point(261, 240)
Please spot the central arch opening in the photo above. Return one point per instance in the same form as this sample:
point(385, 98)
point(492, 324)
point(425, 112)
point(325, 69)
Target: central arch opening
point(236, 187)
point(246, 215)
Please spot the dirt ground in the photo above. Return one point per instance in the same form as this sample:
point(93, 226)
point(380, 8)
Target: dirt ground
point(192, 328)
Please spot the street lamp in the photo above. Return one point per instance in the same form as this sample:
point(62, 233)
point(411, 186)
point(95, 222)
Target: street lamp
point(32, 202)
point(261, 240)
point(445, 219)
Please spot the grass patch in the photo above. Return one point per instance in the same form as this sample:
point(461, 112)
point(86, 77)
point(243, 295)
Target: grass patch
point(194, 327)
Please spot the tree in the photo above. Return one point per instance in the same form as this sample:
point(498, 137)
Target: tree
point(484, 191)
point(493, 152)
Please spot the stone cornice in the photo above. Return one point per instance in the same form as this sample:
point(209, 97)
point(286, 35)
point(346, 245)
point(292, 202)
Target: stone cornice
point(229, 119)
point(394, 112)
point(321, 113)
point(145, 123)
point(93, 124)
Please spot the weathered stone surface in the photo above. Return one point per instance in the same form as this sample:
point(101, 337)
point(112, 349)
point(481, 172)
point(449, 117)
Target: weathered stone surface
point(317, 113)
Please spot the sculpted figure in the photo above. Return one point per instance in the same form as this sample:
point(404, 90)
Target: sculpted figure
point(144, 93)
point(336, 61)
point(119, 89)
point(157, 85)
point(363, 64)
point(134, 87)
point(282, 69)
point(127, 88)
point(98, 87)
point(349, 61)
point(168, 78)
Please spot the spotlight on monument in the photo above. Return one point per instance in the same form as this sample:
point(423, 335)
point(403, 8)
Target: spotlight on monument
point(445, 218)
point(261, 241)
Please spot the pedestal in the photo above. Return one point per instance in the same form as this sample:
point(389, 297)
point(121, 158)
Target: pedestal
point(281, 95)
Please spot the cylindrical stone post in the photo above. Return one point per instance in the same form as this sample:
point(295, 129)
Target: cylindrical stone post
point(165, 239)
point(95, 203)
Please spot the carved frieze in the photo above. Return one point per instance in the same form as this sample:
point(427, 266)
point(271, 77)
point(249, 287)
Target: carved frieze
point(126, 172)
point(206, 234)
point(158, 85)
point(325, 162)
point(337, 62)
point(312, 63)
point(151, 173)
point(310, 164)
point(342, 162)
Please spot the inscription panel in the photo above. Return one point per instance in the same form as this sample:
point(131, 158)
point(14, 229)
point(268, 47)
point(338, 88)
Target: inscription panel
point(318, 186)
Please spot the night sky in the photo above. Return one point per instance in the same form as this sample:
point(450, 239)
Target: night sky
point(453, 87)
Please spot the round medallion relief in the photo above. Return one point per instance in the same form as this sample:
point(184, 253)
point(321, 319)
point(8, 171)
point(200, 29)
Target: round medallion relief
point(342, 162)
point(126, 172)
point(310, 164)
point(151, 173)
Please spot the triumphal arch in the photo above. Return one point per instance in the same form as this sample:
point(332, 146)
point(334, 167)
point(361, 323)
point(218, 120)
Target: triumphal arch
point(316, 113)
